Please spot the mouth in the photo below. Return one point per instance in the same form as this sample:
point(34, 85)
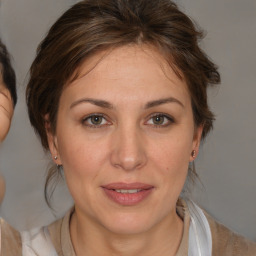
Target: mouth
point(127, 194)
point(127, 191)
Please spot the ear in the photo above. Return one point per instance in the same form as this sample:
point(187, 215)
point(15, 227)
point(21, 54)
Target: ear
point(196, 141)
point(52, 141)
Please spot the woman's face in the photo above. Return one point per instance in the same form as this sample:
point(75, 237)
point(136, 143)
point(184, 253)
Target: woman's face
point(124, 136)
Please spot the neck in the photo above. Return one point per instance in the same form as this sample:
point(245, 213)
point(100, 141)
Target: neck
point(89, 239)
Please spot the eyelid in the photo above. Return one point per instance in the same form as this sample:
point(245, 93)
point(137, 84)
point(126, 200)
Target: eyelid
point(169, 117)
point(84, 119)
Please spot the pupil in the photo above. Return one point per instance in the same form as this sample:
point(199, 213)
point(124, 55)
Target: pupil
point(96, 119)
point(158, 119)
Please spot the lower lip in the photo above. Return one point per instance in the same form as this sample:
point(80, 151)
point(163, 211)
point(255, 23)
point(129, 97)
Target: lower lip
point(127, 199)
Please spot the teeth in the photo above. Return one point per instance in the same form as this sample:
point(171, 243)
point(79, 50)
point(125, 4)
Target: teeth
point(127, 191)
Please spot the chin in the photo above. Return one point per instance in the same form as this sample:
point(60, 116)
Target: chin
point(129, 223)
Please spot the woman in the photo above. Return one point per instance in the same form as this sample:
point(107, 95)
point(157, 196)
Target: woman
point(117, 94)
point(8, 99)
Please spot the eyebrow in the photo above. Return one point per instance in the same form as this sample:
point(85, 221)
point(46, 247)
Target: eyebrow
point(105, 104)
point(99, 103)
point(154, 103)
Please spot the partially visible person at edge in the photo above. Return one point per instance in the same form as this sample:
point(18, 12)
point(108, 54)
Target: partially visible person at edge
point(8, 99)
point(117, 94)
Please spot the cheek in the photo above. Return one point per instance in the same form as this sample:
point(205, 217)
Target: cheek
point(171, 159)
point(80, 157)
point(81, 164)
point(174, 152)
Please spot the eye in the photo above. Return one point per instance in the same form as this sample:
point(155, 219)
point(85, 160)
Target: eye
point(95, 120)
point(160, 120)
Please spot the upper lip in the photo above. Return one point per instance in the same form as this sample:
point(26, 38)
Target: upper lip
point(127, 186)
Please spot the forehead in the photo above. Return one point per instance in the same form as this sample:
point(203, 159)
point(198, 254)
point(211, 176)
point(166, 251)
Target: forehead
point(129, 62)
point(129, 75)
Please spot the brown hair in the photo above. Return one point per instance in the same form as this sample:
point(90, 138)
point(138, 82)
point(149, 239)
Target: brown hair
point(7, 72)
point(94, 25)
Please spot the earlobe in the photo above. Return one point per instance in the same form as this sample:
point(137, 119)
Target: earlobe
point(196, 142)
point(52, 141)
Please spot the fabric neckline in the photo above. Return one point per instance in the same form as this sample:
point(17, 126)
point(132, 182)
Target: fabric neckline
point(68, 249)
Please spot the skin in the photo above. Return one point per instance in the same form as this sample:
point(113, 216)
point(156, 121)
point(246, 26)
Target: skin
point(6, 110)
point(128, 145)
point(6, 113)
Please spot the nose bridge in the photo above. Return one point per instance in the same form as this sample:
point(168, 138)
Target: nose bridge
point(128, 152)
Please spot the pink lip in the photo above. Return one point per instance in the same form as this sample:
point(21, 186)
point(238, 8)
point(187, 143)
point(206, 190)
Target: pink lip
point(127, 199)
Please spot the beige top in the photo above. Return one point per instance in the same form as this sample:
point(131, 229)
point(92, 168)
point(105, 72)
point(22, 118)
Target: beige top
point(10, 240)
point(225, 242)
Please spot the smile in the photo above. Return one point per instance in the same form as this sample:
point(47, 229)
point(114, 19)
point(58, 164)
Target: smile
point(127, 194)
point(127, 191)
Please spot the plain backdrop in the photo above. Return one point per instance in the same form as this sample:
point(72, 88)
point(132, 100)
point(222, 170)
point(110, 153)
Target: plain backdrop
point(227, 160)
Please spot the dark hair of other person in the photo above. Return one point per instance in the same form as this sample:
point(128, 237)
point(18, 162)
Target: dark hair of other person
point(93, 26)
point(7, 72)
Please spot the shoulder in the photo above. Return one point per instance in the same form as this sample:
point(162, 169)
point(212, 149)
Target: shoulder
point(60, 235)
point(226, 242)
point(55, 234)
point(10, 240)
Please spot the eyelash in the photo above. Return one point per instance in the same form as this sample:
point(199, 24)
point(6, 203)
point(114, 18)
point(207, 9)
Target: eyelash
point(89, 117)
point(169, 120)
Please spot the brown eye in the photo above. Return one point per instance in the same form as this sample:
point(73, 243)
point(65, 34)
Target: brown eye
point(96, 120)
point(158, 120)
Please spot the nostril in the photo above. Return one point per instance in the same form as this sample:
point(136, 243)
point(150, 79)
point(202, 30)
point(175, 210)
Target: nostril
point(130, 163)
point(128, 152)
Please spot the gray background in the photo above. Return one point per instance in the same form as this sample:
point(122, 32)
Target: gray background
point(226, 164)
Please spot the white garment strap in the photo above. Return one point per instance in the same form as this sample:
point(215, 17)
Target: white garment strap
point(37, 242)
point(200, 238)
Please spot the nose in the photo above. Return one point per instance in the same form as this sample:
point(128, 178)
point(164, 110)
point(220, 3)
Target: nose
point(128, 149)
